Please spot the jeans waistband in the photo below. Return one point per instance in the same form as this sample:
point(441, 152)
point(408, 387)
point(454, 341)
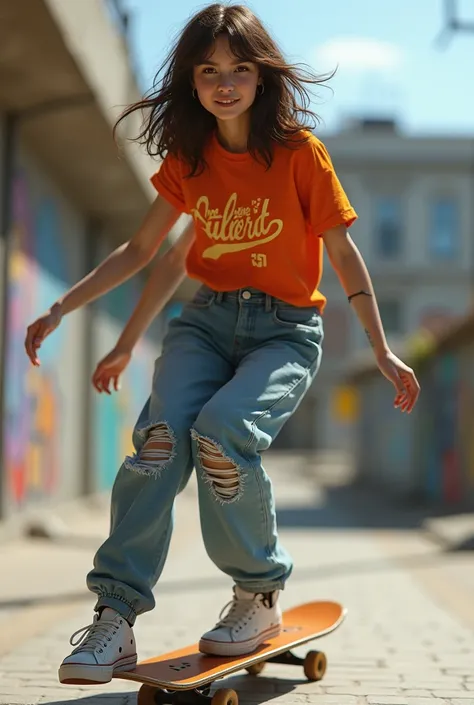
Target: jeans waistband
point(247, 295)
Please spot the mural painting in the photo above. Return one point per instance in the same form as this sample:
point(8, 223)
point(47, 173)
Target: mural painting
point(38, 275)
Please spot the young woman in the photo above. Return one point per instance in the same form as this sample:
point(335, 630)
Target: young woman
point(264, 198)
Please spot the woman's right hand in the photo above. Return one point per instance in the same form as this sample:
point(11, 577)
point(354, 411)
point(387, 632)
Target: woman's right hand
point(39, 330)
point(109, 369)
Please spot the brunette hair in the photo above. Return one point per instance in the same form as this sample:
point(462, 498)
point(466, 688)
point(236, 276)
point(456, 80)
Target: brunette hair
point(176, 122)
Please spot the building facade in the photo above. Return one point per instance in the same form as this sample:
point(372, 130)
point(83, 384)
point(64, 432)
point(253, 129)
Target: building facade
point(68, 197)
point(414, 198)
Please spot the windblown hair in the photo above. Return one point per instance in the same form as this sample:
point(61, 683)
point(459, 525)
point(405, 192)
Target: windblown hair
point(175, 122)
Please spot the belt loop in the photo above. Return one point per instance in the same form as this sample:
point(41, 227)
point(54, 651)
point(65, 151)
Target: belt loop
point(219, 296)
point(268, 302)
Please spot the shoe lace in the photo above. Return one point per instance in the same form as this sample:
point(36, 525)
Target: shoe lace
point(93, 636)
point(239, 611)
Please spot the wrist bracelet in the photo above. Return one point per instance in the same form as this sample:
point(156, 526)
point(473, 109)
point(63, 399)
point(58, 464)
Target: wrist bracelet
point(358, 293)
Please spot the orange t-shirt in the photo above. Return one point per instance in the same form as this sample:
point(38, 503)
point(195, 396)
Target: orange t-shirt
point(256, 227)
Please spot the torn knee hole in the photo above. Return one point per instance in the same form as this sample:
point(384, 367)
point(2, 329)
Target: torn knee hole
point(156, 452)
point(222, 474)
point(158, 446)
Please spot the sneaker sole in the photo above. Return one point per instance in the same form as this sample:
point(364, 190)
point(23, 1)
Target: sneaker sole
point(237, 648)
point(87, 674)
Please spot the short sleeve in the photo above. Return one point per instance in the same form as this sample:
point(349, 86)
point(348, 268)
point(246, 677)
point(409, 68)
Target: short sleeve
point(168, 182)
point(322, 197)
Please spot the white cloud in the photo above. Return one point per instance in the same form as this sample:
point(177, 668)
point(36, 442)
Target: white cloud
point(358, 54)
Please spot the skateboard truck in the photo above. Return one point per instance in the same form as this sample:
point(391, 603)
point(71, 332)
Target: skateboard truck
point(148, 695)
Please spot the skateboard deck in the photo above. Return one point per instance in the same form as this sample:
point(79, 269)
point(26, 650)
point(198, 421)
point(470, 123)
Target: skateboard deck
point(188, 669)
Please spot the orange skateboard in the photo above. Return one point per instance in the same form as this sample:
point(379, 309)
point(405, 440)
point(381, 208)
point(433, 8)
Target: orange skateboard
point(184, 677)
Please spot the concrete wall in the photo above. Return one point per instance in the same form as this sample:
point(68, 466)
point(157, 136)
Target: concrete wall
point(371, 163)
point(67, 199)
point(52, 413)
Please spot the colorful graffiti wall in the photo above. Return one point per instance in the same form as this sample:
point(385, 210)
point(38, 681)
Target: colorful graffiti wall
point(39, 272)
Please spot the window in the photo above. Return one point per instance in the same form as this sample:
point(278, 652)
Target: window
point(388, 226)
point(391, 315)
point(444, 228)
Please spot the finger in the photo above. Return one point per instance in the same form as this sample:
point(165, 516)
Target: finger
point(97, 382)
point(402, 394)
point(413, 389)
point(402, 404)
point(406, 405)
point(31, 334)
point(399, 386)
point(37, 344)
point(116, 379)
point(413, 398)
point(100, 369)
point(410, 402)
point(34, 353)
point(39, 337)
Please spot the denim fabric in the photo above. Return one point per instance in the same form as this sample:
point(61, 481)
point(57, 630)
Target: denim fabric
point(233, 369)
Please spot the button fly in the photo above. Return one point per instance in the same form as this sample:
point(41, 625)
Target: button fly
point(246, 295)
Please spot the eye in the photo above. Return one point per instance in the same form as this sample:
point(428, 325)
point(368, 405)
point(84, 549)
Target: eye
point(242, 68)
point(209, 69)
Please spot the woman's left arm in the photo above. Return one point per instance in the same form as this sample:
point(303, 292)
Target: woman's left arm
point(352, 272)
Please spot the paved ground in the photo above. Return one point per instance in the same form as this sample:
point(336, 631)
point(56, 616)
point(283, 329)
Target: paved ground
point(408, 638)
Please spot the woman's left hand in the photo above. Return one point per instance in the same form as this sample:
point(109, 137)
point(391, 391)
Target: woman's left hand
point(403, 379)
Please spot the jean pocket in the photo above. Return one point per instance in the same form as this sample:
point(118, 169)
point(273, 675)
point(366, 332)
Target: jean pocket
point(296, 316)
point(203, 298)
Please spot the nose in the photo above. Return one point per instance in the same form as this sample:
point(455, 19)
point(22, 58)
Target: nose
point(226, 84)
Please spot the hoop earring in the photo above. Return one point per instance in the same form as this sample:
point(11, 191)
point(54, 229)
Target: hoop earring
point(194, 93)
point(262, 87)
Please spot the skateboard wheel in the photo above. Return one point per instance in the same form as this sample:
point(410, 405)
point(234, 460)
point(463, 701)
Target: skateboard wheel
point(315, 665)
point(255, 668)
point(225, 696)
point(146, 695)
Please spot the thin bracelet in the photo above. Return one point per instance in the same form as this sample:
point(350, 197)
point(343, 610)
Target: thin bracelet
point(358, 293)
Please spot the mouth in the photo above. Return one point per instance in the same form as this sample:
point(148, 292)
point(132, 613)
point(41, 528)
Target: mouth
point(227, 102)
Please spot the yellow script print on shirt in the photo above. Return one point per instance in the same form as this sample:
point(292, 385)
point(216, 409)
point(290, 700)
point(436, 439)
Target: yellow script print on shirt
point(238, 227)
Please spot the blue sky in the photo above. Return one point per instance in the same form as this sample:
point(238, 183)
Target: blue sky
point(386, 50)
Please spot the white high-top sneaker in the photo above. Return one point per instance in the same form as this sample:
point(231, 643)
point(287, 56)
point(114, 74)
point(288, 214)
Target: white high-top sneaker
point(250, 620)
point(105, 647)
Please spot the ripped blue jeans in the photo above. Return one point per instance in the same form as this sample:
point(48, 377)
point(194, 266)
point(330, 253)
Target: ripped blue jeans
point(233, 369)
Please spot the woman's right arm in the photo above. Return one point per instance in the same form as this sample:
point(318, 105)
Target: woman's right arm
point(165, 277)
point(119, 266)
point(126, 260)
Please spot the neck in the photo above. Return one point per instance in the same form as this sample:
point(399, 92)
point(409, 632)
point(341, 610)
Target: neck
point(233, 134)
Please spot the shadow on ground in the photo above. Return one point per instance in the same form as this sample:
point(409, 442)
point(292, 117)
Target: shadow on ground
point(358, 507)
point(249, 689)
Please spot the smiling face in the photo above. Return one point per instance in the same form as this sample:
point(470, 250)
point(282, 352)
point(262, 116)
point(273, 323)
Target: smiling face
point(226, 85)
